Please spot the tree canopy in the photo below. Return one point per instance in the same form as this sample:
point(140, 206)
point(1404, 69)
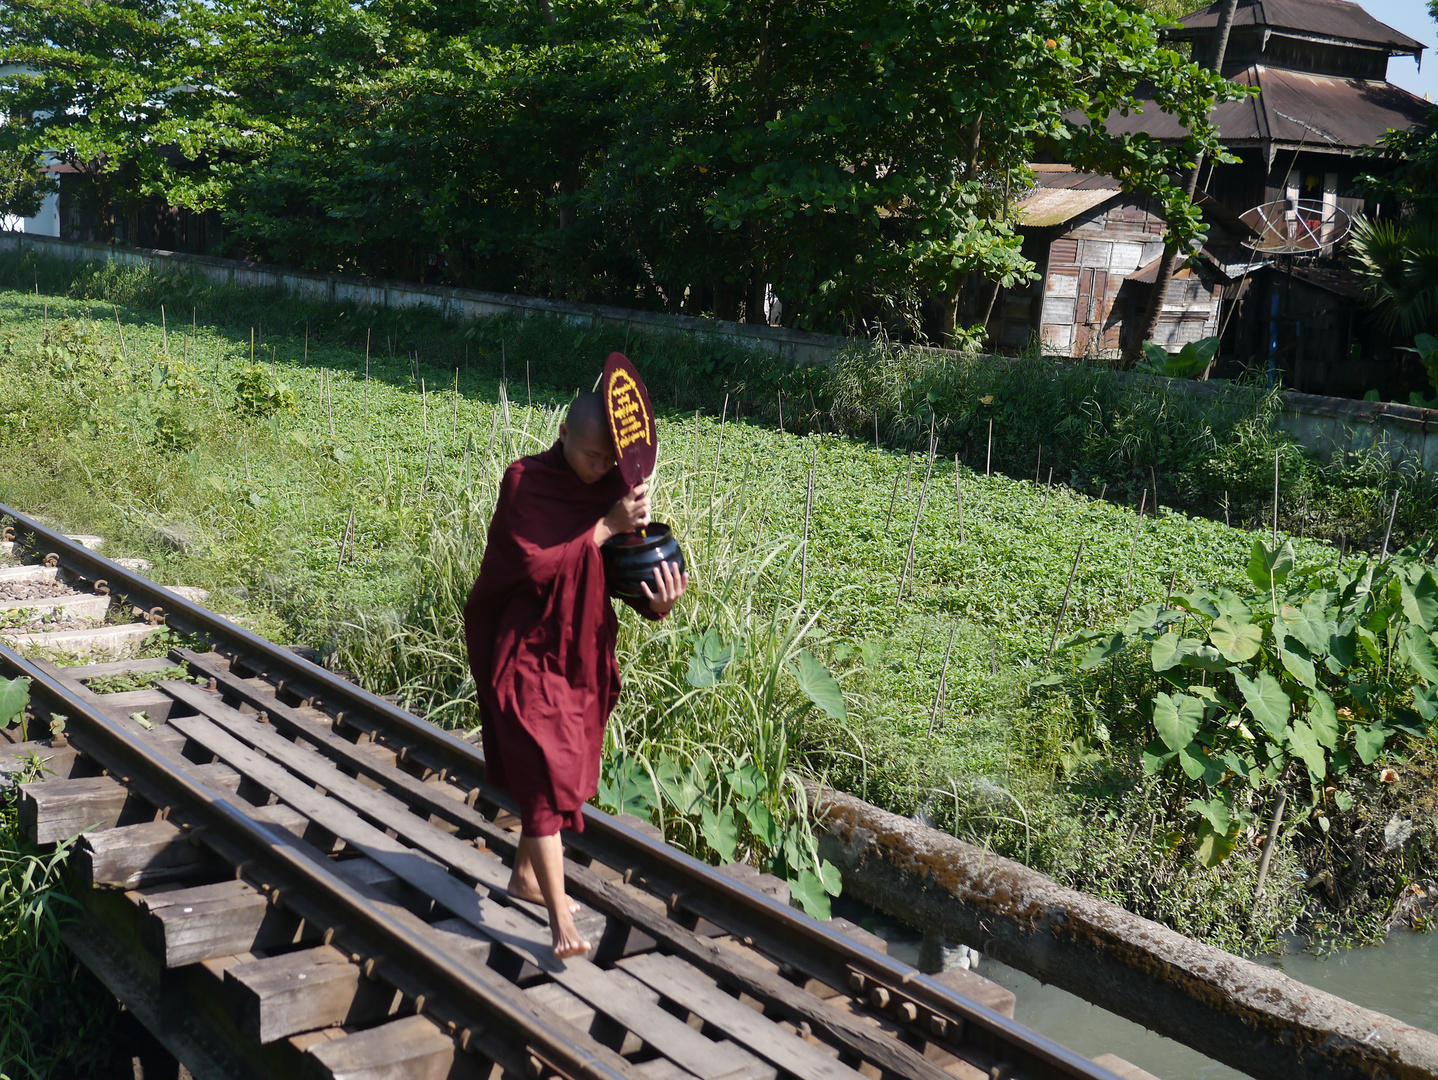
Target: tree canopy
point(861, 156)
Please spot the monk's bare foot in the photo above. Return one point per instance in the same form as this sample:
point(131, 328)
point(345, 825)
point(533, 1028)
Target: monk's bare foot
point(567, 941)
point(528, 891)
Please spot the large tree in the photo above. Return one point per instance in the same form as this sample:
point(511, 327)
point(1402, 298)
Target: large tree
point(857, 155)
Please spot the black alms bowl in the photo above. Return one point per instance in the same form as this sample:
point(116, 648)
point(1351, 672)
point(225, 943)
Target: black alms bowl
point(631, 558)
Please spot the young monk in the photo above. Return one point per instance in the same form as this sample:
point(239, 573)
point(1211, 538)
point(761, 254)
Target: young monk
point(540, 631)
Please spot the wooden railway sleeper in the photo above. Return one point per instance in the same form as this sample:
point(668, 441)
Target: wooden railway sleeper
point(245, 844)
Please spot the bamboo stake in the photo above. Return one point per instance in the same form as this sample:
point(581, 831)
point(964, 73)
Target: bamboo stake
point(959, 498)
point(1103, 491)
point(307, 342)
point(1273, 826)
point(781, 409)
point(345, 543)
point(941, 694)
point(808, 515)
point(1134, 546)
point(696, 441)
point(424, 409)
point(720, 448)
point(164, 333)
point(1153, 478)
point(989, 454)
point(124, 352)
point(456, 403)
point(1038, 463)
point(1275, 498)
point(329, 401)
point(914, 532)
point(1063, 607)
point(1172, 578)
point(252, 346)
point(1389, 530)
point(876, 431)
point(1048, 489)
point(893, 497)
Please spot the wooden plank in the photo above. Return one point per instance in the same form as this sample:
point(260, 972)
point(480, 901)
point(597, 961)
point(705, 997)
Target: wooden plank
point(120, 667)
point(303, 990)
point(412, 1048)
point(56, 762)
point(506, 926)
point(184, 926)
point(155, 704)
point(58, 809)
point(154, 852)
point(687, 988)
point(978, 989)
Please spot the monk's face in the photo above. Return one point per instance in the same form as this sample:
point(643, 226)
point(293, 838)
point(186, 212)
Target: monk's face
point(589, 451)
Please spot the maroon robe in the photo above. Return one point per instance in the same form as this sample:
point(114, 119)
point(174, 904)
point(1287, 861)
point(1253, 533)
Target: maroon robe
point(540, 632)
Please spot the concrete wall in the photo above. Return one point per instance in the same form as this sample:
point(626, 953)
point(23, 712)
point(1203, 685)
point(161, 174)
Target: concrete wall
point(1321, 424)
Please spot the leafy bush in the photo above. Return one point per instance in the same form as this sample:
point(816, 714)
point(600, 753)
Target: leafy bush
point(1317, 668)
point(259, 394)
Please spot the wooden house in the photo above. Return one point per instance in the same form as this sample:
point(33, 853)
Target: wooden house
point(1097, 249)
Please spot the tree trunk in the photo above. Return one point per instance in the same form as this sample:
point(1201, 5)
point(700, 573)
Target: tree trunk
point(546, 12)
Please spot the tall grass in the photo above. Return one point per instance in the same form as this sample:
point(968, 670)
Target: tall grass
point(58, 1021)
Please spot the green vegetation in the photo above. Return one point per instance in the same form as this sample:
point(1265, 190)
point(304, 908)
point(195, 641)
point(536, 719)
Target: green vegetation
point(863, 158)
point(348, 513)
point(1307, 677)
point(58, 1019)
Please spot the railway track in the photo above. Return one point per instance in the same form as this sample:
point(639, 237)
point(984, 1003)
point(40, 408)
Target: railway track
point(285, 875)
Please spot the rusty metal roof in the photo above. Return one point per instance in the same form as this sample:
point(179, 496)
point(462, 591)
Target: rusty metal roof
point(1049, 206)
point(1321, 112)
point(1337, 20)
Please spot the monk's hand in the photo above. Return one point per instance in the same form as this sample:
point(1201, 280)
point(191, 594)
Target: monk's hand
point(669, 585)
point(628, 514)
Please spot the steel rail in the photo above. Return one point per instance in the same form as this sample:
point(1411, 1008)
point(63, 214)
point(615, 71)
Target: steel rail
point(478, 1013)
point(744, 912)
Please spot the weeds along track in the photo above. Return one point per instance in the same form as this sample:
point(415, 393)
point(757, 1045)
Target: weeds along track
point(282, 873)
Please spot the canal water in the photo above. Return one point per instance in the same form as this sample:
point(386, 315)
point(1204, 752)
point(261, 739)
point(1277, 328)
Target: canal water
point(1398, 977)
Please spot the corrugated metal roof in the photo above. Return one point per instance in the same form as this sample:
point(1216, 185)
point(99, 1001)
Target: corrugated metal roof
point(1336, 19)
point(1054, 206)
point(1323, 112)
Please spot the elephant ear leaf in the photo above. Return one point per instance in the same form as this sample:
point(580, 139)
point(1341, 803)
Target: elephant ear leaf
point(1420, 600)
point(1267, 702)
point(820, 686)
point(14, 695)
point(1305, 744)
point(1176, 719)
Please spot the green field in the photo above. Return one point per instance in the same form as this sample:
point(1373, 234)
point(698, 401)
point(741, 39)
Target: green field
point(247, 480)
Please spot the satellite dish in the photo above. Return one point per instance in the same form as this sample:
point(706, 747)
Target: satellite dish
point(1295, 227)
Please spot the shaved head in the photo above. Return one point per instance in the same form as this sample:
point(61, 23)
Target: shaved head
point(585, 434)
point(586, 414)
